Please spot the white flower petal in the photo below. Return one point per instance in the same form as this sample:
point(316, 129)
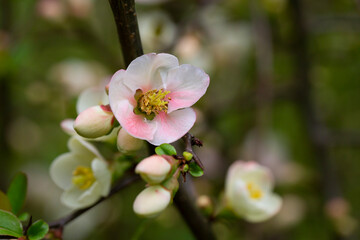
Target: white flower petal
point(102, 175)
point(251, 172)
point(264, 209)
point(187, 84)
point(63, 166)
point(148, 71)
point(76, 198)
point(91, 97)
point(67, 126)
point(118, 91)
point(173, 126)
point(81, 147)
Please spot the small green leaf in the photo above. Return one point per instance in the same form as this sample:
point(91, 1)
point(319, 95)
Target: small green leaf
point(195, 170)
point(4, 202)
point(38, 230)
point(159, 151)
point(24, 217)
point(17, 192)
point(168, 149)
point(10, 224)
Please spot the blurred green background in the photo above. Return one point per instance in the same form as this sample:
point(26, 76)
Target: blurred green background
point(285, 91)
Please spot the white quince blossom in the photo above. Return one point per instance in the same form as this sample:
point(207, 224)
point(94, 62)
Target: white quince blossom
point(152, 98)
point(248, 191)
point(82, 173)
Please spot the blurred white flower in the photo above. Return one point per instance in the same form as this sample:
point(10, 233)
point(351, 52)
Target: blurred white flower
point(151, 201)
point(248, 192)
point(191, 49)
point(157, 31)
point(82, 173)
point(154, 169)
point(51, 9)
point(80, 8)
point(77, 75)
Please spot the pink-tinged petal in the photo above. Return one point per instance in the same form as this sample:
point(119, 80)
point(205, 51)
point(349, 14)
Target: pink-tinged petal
point(136, 125)
point(173, 126)
point(148, 71)
point(118, 91)
point(67, 126)
point(187, 85)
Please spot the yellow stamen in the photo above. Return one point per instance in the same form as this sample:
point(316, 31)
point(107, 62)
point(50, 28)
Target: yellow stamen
point(83, 177)
point(154, 101)
point(254, 190)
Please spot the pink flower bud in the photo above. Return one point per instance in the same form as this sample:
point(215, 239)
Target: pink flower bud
point(154, 169)
point(151, 201)
point(94, 122)
point(126, 142)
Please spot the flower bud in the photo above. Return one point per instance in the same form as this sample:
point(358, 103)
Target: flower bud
point(152, 201)
point(94, 122)
point(205, 204)
point(154, 169)
point(188, 156)
point(126, 142)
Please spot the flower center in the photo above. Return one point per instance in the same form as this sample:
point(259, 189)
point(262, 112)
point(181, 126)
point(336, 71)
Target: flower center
point(152, 102)
point(83, 177)
point(254, 190)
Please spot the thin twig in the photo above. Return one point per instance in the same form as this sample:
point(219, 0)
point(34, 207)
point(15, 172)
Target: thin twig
point(189, 142)
point(127, 28)
point(119, 186)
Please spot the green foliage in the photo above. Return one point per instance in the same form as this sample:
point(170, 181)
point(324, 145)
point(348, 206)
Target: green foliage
point(195, 170)
point(165, 149)
point(38, 230)
point(9, 224)
point(24, 217)
point(17, 192)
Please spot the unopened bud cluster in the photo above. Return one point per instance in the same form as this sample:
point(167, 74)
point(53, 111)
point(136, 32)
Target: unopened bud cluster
point(158, 172)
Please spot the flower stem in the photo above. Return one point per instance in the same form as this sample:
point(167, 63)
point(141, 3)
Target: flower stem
point(119, 186)
point(127, 28)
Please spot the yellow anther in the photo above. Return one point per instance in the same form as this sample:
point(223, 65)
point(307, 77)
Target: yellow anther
point(154, 101)
point(83, 177)
point(254, 191)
